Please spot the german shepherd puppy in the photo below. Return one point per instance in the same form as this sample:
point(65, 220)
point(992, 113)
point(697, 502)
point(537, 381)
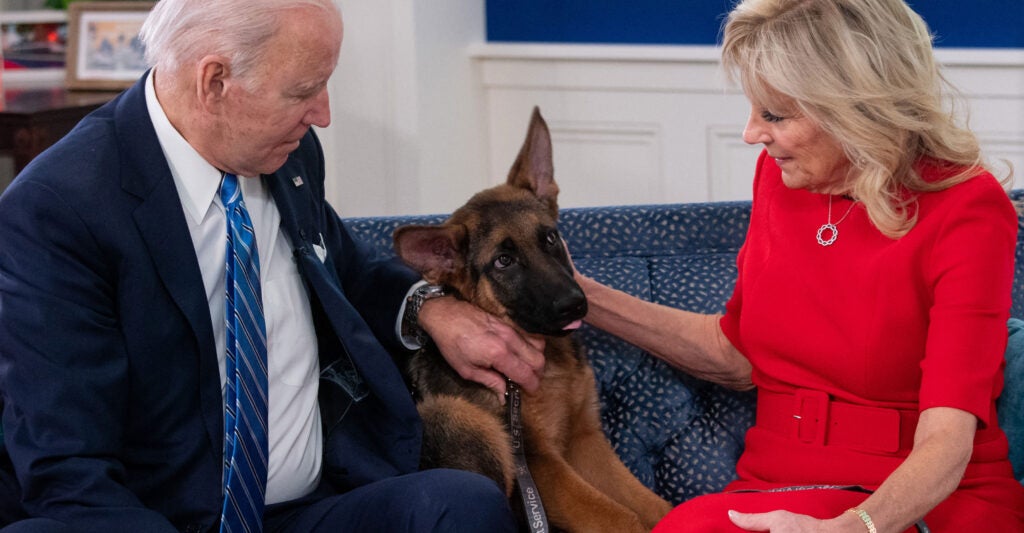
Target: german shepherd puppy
point(502, 252)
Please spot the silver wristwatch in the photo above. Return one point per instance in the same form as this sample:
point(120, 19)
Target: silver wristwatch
point(413, 303)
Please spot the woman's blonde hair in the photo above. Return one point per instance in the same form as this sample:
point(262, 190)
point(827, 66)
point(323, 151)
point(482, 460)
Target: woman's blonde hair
point(864, 70)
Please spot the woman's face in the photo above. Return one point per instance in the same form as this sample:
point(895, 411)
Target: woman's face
point(809, 158)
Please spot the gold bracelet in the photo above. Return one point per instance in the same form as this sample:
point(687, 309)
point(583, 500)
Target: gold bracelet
point(864, 517)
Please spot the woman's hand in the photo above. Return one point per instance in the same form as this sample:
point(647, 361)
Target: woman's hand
point(787, 522)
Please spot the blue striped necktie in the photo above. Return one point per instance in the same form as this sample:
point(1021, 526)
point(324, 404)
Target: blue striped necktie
point(245, 409)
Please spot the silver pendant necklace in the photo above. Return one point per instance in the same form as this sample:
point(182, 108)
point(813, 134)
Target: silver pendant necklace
point(828, 232)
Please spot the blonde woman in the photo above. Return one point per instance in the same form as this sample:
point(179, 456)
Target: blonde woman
point(873, 292)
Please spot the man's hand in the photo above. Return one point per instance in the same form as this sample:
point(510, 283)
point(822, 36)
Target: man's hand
point(480, 347)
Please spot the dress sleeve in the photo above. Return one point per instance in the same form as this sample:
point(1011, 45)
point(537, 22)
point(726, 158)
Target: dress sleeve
point(970, 269)
point(730, 321)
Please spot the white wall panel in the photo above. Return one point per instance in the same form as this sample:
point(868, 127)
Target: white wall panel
point(408, 130)
point(692, 125)
point(607, 158)
point(424, 118)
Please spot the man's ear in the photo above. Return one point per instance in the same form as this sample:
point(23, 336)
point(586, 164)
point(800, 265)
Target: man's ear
point(213, 76)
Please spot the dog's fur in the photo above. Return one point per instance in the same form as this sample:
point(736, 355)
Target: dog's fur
point(502, 252)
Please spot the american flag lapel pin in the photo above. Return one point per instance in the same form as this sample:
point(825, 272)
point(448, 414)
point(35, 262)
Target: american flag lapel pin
point(297, 180)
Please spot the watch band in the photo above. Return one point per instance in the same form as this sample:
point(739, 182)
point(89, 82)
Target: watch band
point(413, 303)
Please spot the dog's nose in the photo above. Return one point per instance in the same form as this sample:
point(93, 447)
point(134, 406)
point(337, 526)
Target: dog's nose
point(571, 306)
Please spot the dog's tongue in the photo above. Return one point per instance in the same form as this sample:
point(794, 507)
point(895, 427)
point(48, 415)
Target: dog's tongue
point(572, 326)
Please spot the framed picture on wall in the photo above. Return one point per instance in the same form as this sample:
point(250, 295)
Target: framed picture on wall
point(104, 51)
point(34, 45)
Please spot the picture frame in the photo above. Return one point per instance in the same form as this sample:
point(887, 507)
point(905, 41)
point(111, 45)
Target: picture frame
point(104, 52)
point(34, 46)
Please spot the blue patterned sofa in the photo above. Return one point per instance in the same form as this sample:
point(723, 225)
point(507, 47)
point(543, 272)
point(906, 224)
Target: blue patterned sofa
point(681, 436)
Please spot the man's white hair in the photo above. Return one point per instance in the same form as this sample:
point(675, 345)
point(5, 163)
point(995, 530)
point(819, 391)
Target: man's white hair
point(179, 33)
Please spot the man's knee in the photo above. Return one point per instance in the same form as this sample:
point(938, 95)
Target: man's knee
point(437, 500)
point(463, 501)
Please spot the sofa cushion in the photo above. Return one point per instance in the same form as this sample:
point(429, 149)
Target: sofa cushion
point(1010, 405)
point(679, 435)
point(695, 282)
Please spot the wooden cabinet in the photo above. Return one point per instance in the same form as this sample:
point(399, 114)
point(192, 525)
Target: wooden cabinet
point(33, 119)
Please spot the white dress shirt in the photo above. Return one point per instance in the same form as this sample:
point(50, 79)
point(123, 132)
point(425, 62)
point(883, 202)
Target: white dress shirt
point(294, 430)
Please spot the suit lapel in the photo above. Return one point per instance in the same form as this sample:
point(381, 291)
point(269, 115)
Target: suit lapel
point(296, 196)
point(161, 222)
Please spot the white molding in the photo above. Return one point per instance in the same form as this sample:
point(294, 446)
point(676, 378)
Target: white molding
point(426, 114)
point(1008, 141)
point(600, 67)
point(680, 92)
point(33, 16)
point(627, 157)
point(980, 57)
point(588, 52)
point(697, 68)
point(1002, 147)
point(33, 78)
point(729, 167)
point(992, 57)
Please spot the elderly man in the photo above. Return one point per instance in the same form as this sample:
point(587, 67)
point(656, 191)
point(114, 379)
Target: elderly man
point(156, 379)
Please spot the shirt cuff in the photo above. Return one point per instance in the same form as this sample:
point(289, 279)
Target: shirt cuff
point(407, 341)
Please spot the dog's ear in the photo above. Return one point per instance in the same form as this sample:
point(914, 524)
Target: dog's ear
point(434, 251)
point(533, 169)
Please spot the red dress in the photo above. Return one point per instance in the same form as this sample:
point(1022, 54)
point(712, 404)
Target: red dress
point(885, 328)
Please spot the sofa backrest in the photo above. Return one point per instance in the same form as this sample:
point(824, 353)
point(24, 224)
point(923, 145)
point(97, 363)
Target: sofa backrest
point(679, 435)
point(1018, 279)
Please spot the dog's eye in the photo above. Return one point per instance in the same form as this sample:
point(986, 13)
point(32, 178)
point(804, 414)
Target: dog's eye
point(504, 261)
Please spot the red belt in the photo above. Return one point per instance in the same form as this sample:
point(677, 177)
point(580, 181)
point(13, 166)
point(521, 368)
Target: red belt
point(812, 417)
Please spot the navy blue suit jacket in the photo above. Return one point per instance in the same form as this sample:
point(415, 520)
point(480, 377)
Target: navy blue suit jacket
point(112, 399)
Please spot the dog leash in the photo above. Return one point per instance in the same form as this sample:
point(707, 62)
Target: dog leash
point(536, 518)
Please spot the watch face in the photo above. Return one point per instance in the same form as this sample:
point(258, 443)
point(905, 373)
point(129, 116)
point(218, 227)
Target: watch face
point(430, 291)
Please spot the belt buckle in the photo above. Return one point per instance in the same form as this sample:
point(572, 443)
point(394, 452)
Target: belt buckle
point(810, 413)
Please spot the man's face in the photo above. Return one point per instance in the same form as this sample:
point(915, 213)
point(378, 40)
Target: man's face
point(261, 126)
